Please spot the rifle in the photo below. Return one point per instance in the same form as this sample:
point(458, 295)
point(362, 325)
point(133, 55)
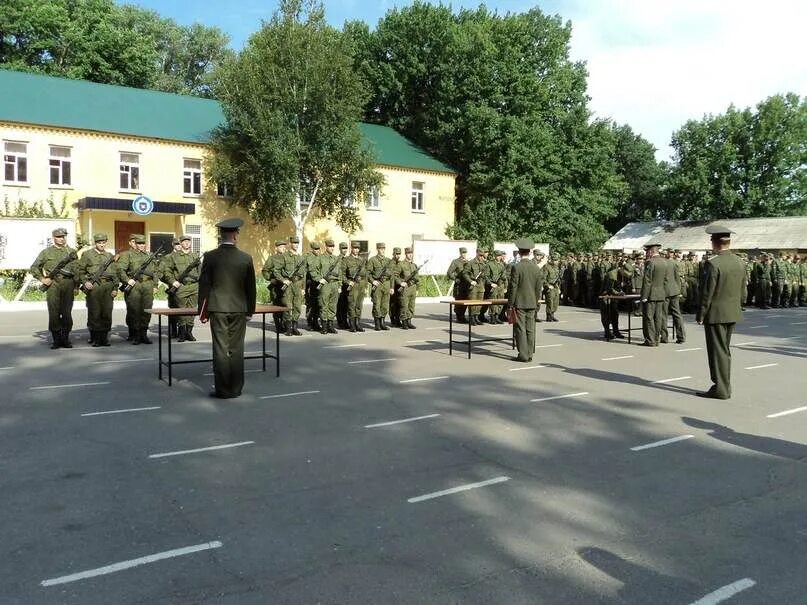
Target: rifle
point(187, 271)
point(71, 256)
point(356, 275)
point(294, 275)
point(328, 274)
point(415, 272)
point(124, 286)
point(96, 277)
point(383, 275)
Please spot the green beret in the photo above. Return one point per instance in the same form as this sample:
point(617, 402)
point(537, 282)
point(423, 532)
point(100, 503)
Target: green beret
point(329, 242)
point(230, 224)
point(100, 236)
point(343, 245)
point(139, 239)
point(396, 250)
point(314, 245)
point(59, 232)
point(294, 239)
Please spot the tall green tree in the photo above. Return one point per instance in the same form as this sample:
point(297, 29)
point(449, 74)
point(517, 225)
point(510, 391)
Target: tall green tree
point(291, 144)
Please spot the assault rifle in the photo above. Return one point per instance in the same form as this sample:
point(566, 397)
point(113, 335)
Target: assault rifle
point(330, 271)
point(187, 271)
point(95, 278)
point(295, 274)
point(357, 273)
point(383, 275)
point(415, 272)
point(125, 287)
point(71, 256)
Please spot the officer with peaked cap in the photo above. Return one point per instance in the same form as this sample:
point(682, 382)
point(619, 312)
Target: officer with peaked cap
point(524, 293)
point(55, 268)
point(227, 299)
point(99, 283)
point(653, 295)
point(721, 308)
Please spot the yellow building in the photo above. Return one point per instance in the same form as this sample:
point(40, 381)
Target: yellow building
point(127, 161)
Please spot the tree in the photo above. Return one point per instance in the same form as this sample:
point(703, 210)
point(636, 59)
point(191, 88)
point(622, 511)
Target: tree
point(291, 143)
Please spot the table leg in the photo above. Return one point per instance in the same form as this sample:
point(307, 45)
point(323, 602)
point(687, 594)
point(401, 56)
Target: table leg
point(469, 333)
point(159, 347)
point(630, 316)
point(277, 354)
point(263, 340)
point(170, 360)
point(450, 329)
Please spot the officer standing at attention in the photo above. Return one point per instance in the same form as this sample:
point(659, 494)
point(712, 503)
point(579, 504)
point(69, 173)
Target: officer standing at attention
point(460, 291)
point(613, 283)
point(720, 309)
point(523, 295)
point(141, 292)
point(672, 285)
point(181, 271)
point(474, 275)
point(100, 290)
point(328, 277)
point(355, 280)
point(227, 299)
point(55, 268)
point(407, 282)
point(654, 295)
point(341, 303)
point(379, 272)
point(290, 270)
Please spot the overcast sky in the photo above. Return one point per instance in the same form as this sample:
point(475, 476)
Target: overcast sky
point(652, 63)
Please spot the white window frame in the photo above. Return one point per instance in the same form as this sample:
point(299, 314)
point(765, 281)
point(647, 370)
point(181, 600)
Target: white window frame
point(417, 197)
point(373, 199)
point(195, 231)
point(15, 159)
point(349, 202)
point(59, 162)
point(129, 168)
point(191, 178)
point(223, 190)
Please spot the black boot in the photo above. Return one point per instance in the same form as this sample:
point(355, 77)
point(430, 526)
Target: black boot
point(189, 334)
point(331, 329)
point(104, 338)
point(608, 335)
point(96, 339)
point(404, 324)
point(289, 328)
point(56, 341)
point(181, 334)
point(359, 327)
point(91, 339)
point(377, 325)
point(144, 336)
point(136, 338)
point(295, 330)
point(66, 344)
point(410, 324)
point(323, 326)
point(130, 334)
point(384, 324)
point(352, 322)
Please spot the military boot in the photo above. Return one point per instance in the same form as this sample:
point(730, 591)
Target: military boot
point(96, 339)
point(411, 325)
point(66, 344)
point(608, 335)
point(189, 334)
point(352, 322)
point(144, 336)
point(323, 326)
point(56, 341)
point(289, 328)
point(104, 339)
point(384, 326)
point(129, 334)
point(91, 339)
point(181, 334)
point(136, 338)
point(376, 319)
point(359, 327)
point(404, 324)
point(331, 329)
point(295, 330)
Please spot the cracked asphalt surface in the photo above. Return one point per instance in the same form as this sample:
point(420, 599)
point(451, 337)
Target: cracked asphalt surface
point(316, 510)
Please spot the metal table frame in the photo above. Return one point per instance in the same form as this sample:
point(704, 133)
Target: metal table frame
point(170, 363)
point(636, 300)
point(471, 340)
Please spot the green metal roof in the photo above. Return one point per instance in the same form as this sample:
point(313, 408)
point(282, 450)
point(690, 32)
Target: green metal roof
point(44, 100)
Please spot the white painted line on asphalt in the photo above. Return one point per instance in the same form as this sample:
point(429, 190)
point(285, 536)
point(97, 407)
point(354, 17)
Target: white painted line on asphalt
point(390, 423)
point(547, 346)
point(660, 443)
point(68, 386)
point(436, 328)
point(124, 360)
point(361, 344)
point(787, 412)
point(764, 365)
point(372, 360)
point(755, 327)
point(774, 316)
point(201, 449)
point(527, 368)
point(559, 397)
point(422, 379)
point(666, 380)
point(156, 407)
point(745, 344)
point(245, 372)
point(728, 591)
point(615, 358)
point(687, 350)
point(460, 488)
point(798, 323)
point(415, 342)
point(288, 394)
point(17, 336)
point(100, 571)
point(7, 368)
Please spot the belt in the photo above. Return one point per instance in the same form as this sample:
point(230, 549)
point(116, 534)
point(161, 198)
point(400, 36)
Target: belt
point(145, 278)
point(187, 281)
point(104, 280)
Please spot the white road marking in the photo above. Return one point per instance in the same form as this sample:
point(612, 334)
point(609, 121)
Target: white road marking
point(559, 397)
point(390, 423)
point(201, 449)
point(361, 344)
point(124, 360)
point(461, 488)
point(547, 346)
point(7, 368)
point(527, 368)
point(372, 360)
point(100, 571)
point(660, 443)
point(422, 379)
point(414, 342)
point(436, 328)
point(798, 323)
point(745, 344)
point(687, 350)
point(787, 412)
point(773, 316)
point(615, 358)
point(666, 380)
point(245, 372)
point(755, 327)
point(156, 407)
point(764, 365)
point(67, 386)
point(728, 591)
point(288, 394)
point(17, 336)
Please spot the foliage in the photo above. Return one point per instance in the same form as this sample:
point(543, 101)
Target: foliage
point(292, 104)
point(101, 41)
point(742, 163)
point(42, 209)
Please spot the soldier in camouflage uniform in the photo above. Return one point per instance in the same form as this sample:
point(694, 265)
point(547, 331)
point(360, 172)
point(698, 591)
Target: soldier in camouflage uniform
point(329, 281)
point(123, 259)
point(141, 290)
point(354, 277)
point(290, 271)
point(100, 290)
point(497, 284)
point(552, 287)
point(379, 273)
point(777, 280)
point(60, 286)
point(474, 275)
point(454, 273)
point(181, 272)
point(395, 297)
point(341, 303)
point(311, 292)
point(272, 283)
point(407, 281)
point(173, 322)
point(762, 277)
point(613, 284)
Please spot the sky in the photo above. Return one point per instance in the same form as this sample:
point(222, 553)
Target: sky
point(653, 64)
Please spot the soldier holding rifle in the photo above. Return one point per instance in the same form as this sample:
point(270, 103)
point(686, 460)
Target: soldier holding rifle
point(182, 272)
point(355, 280)
point(379, 272)
point(138, 275)
point(290, 270)
point(99, 283)
point(55, 268)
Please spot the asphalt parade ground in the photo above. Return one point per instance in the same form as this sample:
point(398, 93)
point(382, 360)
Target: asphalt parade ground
point(378, 469)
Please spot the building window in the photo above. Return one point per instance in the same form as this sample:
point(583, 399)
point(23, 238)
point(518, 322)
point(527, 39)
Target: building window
point(224, 190)
point(195, 231)
point(373, 199)
point(129, 172)
point(417, 196)
point(60, 168)
point(15, 162)
point(349, 202)
point(193, 177)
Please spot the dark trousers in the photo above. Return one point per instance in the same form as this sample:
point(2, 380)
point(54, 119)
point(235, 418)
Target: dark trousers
point(60, 297)
point(609, 316)
point(718, 342)
point(99, 307)
point(674, 309)
point(228, 331)
point(524, 330)
point(653, 318)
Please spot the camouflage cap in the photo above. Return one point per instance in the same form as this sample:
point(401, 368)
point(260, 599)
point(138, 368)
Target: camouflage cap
point(343, 245)
point(185, 237)
point(380, 245)
point(59, 232)
point(100, 236)
point(294, 239)
point(463, 250)
point(396, 250)
point(314, 245)
point(280, 242)
point(175, 241)
point(329, 243)
point(139, 238)
point(408, 250)
point(354, 244)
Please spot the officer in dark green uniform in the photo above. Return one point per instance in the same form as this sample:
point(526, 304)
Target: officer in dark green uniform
point(379, 273)
point(341, 303)
point(60, 286)
point(654, 295)
point(290, 271)
point(327, 274)
point(355, 280)
point(97, 274)
point(181, 271)
point(141, 290)
point(524, 291)
point(720, 309)
point(459, 291)
point(227, 298)
point(406, 281)
point(672, 285)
